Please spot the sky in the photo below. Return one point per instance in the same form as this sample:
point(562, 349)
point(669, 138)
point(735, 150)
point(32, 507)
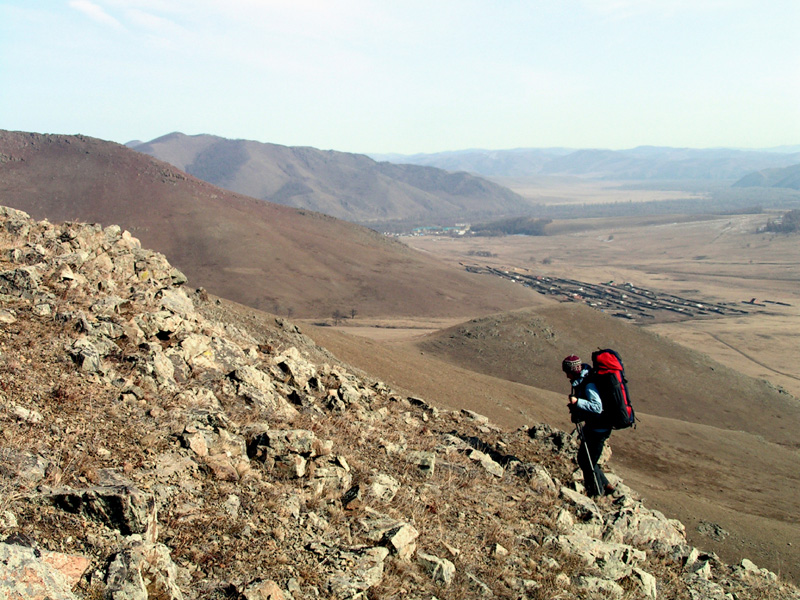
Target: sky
point(407, 76)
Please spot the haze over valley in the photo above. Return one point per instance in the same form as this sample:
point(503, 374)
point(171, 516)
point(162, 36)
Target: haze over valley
point(473, 186)
point(285, 289)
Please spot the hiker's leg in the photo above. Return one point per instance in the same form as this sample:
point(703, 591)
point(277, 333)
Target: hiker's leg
point(587, 464)
point(595, 441)
point(588, 473)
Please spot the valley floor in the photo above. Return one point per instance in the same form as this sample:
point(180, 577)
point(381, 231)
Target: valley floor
point(720, 260)
point(703, 473)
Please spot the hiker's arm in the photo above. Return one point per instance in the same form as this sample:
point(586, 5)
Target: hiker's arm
point(592, 402)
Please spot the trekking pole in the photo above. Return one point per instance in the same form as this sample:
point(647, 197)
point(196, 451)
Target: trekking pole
point(579, 428)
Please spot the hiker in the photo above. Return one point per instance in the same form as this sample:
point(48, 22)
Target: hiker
point(586, 407)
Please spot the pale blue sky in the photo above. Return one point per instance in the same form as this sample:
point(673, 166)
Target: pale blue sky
point(407, 75)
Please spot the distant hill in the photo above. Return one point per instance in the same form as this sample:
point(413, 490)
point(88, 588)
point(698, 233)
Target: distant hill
point(787, 177)
point(642, 163)
point(254, 252)
point(489, 163)
point(347, 186)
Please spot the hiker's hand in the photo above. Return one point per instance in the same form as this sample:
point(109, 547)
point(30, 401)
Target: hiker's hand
point(573, 400)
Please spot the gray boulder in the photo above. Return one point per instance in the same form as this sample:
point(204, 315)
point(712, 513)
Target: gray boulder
point(23, 281)
point(441, 570)
point(143, 571)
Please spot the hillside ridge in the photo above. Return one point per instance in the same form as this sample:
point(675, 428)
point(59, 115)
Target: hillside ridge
point(651, 163)
point(786, 177)
point(272, 257)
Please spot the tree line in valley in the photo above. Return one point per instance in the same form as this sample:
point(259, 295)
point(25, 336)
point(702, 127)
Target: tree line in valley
point(788, 223)
point(512, 226)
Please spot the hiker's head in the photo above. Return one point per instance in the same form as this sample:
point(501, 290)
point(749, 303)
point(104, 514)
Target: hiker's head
point(572, 366)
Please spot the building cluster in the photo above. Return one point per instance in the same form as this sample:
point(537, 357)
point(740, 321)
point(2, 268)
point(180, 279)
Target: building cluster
point(623, 300)
point(456, 230)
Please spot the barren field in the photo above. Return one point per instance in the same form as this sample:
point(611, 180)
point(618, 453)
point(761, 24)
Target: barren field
point(571, 190)
point(717, 260)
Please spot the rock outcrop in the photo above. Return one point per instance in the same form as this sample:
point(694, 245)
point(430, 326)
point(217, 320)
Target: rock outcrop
point(160, 444)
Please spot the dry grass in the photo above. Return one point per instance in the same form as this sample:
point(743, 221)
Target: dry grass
point(461, 512)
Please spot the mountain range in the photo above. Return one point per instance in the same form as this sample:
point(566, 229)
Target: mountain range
point(344, 185)
point(641, 163)
point(393, 192)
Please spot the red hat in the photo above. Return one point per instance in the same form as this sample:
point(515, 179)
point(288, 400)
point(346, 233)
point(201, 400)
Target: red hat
point(571, 364)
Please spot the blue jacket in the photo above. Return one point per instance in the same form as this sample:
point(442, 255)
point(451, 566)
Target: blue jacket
point(589, 407)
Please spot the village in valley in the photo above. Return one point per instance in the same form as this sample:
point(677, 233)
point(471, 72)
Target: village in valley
point(623, 300)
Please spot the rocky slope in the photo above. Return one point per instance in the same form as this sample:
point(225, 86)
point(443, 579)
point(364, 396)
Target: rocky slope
point(156, 443)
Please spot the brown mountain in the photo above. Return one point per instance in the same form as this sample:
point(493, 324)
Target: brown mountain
point(347, 186)
point(255, 252)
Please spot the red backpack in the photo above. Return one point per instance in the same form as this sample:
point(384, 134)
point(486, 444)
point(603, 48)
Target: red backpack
point(608, 376)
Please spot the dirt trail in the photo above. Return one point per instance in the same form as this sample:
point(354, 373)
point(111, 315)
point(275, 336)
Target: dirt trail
point(751, 358)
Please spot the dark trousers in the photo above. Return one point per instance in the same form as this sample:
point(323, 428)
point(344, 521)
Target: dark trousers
point(593, 476)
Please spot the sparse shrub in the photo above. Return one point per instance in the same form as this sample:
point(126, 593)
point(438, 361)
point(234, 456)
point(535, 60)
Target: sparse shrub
point(62, 394)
